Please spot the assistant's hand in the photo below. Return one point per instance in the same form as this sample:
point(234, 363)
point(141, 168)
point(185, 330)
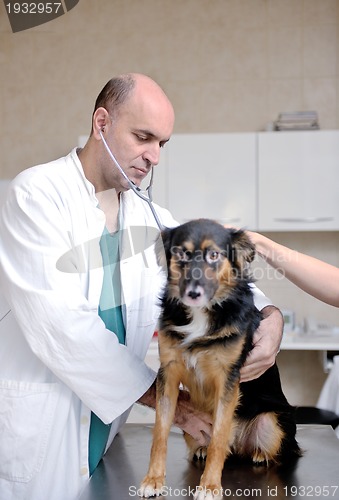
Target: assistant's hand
point(196, 423)
point(266, 341)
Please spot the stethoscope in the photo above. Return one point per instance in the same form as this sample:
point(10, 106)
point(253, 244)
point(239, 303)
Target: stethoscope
point(148, 199)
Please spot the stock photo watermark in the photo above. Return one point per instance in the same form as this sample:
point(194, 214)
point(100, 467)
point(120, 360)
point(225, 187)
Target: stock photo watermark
point(264, 492)
point(139, 240)
point(25, 15)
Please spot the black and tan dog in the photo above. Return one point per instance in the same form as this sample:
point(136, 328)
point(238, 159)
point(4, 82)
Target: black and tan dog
point(206, 328)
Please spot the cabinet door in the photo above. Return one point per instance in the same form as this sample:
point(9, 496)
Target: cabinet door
point(213, 176)
point(298, 181)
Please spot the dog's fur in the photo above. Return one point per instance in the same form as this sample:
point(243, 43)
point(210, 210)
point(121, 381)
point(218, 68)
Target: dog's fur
point(206, 328)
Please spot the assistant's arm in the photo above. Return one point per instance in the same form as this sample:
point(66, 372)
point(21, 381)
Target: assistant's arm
point(315, 277)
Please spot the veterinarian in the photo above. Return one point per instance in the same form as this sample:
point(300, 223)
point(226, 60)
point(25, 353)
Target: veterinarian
point(70, 277)
point(313, 276)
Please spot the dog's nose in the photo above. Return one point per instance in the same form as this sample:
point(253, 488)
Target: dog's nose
point(194, 294)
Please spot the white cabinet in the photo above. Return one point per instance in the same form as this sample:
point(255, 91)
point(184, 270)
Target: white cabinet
point(211, 175)
point(269, 181)
point(298, 181)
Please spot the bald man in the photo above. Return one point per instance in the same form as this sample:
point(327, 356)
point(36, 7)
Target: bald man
point(80, 283)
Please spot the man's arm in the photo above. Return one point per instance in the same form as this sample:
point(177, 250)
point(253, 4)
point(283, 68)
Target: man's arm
point(267, 341)
point(50, 304)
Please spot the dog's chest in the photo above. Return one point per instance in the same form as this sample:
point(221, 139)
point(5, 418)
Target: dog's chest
point(196, 328)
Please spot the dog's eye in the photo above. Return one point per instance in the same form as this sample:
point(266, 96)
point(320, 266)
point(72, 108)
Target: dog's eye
point(181, 254)
point(212, 256)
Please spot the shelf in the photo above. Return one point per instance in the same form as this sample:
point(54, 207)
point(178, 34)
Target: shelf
point(290, 342)
point(310, 342)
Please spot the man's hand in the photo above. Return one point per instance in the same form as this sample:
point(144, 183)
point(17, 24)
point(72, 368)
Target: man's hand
point(266, 341)
point(188, 418)
point(196, 423)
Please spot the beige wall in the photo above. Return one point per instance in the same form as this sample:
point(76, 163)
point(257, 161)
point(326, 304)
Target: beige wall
point(227, 65)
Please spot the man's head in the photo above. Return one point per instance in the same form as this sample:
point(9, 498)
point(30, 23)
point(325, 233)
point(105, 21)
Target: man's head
point(136, 118)
point(115, 93)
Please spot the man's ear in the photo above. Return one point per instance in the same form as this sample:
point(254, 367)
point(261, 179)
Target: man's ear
point(243, 248)
point(99, 122)
point(163, 247)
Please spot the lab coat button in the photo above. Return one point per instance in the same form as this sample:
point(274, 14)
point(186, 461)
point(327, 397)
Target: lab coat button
point(84, 471)
point(84, 420)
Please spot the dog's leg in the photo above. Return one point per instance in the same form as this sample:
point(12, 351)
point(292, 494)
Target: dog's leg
point(259, 439)
point(219, 447)
point(167, 395)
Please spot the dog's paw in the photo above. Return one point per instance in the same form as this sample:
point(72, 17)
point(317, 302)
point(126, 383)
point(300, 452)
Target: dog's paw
point(208, 492)
point(151, 487)
point(200, 453)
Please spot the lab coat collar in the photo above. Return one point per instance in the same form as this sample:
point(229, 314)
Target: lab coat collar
point(88, 185)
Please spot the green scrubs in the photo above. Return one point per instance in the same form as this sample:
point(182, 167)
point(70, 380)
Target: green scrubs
point(110, 312)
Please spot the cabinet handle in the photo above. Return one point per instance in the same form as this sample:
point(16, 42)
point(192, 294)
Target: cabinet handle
point(309, 220)
point(223, 220)
point(230, 219)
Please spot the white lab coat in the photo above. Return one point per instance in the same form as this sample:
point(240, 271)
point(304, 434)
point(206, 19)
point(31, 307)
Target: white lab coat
point(57, 361)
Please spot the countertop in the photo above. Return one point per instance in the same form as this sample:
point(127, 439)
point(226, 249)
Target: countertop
point(315, 475)
point(310, 342)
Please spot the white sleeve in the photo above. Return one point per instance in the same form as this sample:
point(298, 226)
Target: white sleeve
point(60, 325)
point(165, 216)
point(260, 299)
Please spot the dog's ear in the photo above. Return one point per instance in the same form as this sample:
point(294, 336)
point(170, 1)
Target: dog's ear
point(243, 248)
point(163, 247)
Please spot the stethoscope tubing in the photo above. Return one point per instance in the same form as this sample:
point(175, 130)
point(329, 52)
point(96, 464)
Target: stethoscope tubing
point(148, 199)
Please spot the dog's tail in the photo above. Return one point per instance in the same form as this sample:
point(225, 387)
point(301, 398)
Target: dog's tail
point(290, 449)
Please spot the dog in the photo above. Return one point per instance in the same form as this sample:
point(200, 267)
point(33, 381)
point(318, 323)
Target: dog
point(206, 328)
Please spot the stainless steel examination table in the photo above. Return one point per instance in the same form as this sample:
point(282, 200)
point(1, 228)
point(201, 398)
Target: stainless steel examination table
point(315, 475)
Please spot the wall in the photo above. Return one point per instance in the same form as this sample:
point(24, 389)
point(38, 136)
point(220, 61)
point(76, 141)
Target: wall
point(227, 65)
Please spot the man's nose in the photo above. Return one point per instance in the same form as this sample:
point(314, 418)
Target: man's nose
point(152, 154)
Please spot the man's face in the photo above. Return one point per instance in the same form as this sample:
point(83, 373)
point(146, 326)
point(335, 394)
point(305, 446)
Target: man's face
point(143, 125)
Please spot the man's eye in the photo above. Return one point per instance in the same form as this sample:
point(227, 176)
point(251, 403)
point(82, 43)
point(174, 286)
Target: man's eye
point(212, 256)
